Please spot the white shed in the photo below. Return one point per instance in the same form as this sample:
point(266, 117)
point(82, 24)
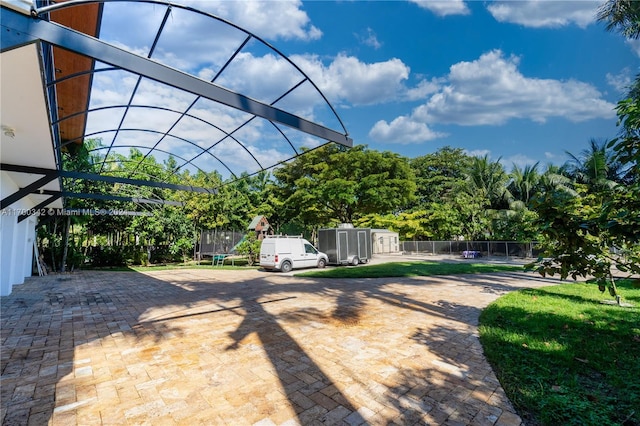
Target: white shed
point(384, 241)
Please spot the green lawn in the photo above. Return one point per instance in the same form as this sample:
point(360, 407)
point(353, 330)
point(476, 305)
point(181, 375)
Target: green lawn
point(563, 357)
point(408, 269)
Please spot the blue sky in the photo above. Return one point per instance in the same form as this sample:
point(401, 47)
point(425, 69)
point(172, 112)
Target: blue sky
point(523, 81)
point(520, 80)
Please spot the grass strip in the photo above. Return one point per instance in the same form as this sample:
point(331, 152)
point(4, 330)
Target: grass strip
point(409, 269)
point(565, 358)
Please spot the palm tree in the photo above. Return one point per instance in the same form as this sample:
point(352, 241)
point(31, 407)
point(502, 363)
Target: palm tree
point(524, 182)
point(554, 178)
point(488, 180)
point(622, 16)
point(596, 166)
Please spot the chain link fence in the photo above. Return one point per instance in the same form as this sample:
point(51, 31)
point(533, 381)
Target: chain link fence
point(471, 248)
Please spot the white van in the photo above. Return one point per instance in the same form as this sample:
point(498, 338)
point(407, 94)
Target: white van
point(285, 253)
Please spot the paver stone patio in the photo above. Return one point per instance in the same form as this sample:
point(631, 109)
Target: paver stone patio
point(202, 346)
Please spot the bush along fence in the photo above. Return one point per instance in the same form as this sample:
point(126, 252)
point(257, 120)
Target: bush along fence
point(472, 249)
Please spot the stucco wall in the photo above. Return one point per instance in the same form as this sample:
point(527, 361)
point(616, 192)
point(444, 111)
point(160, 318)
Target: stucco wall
point(16, 239)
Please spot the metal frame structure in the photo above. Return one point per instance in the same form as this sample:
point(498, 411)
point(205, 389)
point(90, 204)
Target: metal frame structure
point(19, 29)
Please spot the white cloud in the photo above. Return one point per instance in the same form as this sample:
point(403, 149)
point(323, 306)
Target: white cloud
point(114, 87)
point(369, 38)
point(519, 160)
point(197, 43)
point(349, 80)
point(266, 19)
point(186, 43)
point(444, 7)
point(402, 130)
point(344, 80)
point(545, 13)
point(260, 77)
point(621, 81)
point(635, 46)
point(478, 152)
point(491, 91)
point(424, 89)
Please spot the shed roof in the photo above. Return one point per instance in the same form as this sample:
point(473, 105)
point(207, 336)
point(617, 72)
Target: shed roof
point(256, 221)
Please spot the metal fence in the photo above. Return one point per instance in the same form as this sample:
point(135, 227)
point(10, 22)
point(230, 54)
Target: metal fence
point(472, 248)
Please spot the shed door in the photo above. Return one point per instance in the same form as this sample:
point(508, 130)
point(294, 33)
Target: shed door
point(362, 245)
point(343, 247)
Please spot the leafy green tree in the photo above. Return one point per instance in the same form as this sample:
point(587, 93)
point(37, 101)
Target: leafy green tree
point(622, 212)
point(204, 210)
point(484, 193)
point(593, 227)
point(438, 222)
point(517, 223)
point(85, 158)
point(574, 241)
point(243, 199)
point(328, 185)
point(182, 246)
point(474, 216)
point(440, 175)
point(444, 221)
point(598, 227)
point(627, 145)
point(250, 247)
point(412, 225)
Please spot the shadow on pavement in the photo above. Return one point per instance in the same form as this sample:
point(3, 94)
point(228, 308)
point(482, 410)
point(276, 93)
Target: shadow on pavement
point(222, 346)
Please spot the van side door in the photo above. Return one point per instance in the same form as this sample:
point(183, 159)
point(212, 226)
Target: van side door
point(310, 256)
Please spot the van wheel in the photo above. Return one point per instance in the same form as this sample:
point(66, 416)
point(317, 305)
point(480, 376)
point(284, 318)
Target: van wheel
point(322, 263)
point(355, 261)
point(286, 266)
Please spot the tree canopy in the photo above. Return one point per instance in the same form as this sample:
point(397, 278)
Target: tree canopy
point(595, 229)
point(329, 185)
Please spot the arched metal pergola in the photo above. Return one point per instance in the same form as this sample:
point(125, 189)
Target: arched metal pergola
point(184, 87)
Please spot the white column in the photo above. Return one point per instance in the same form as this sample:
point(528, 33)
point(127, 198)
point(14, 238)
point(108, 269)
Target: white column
point(16, 238)
point(17, 253)
point(28, 246)
point(7, 226)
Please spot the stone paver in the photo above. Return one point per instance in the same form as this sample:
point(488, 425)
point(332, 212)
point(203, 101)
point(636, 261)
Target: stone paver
point(189, 347)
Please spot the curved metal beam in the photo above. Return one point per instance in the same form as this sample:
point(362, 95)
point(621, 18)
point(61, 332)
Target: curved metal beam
point(70, 141)
point(167, 13)
point(159, 132)
point(104, 178)
point(71, 3)
point(164, 152)
point(58, 35)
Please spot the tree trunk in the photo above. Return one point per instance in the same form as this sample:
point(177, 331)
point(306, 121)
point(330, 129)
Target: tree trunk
point(65, 248)
point(51, 244)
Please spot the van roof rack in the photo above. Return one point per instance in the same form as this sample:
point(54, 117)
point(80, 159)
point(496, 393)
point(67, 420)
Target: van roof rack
point(284, 236)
